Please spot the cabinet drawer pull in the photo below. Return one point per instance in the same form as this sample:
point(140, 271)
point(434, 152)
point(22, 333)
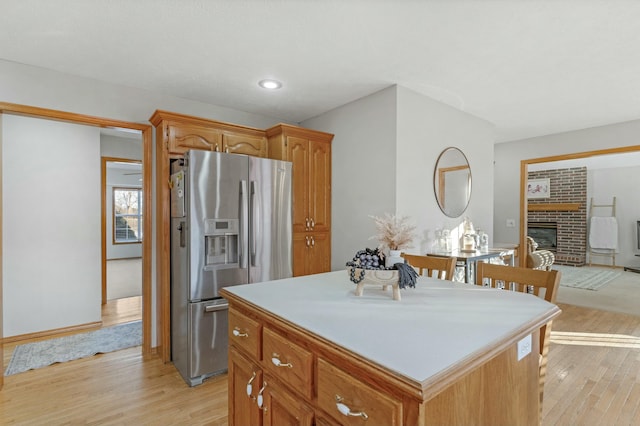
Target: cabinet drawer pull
point(250, 386)
point(236, 332)
point(275, 359)
point(260, 399)
point(346, 411)
point(313, 224)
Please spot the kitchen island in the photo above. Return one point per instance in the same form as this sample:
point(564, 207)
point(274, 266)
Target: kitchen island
point(306, 350)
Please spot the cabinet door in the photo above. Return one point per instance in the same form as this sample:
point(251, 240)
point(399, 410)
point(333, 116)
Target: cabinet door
point(183, 137)
point(320, 186)
point(311, 253)
point(281, 408)
point(244, 144)
point(319, 253)
point(300, 254)
point(298, 154)
point(245, 381)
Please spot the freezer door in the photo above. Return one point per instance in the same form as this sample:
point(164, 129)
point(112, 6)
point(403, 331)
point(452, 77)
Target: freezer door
point(208, 339)
point(270, 224)
point(217, 200)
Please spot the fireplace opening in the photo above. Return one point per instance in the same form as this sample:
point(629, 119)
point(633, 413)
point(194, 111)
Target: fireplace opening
point(545, 234)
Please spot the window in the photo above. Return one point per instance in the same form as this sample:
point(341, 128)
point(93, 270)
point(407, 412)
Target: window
point(127, 215)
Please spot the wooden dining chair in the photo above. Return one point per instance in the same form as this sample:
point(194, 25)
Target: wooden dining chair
point(434, 266)
point(539, 283)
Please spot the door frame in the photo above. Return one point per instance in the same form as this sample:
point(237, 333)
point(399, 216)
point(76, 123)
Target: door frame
point(524, 166)
point(103, 226)
point(147, 165)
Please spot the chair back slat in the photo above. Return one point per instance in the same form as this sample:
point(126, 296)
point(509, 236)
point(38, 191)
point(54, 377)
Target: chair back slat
point(540, 283)
point(432, 266)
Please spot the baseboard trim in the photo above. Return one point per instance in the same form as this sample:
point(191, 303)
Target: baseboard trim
point(605, 266)
point(54, 332)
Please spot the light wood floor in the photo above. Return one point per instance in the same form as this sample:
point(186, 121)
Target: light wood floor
point(593, 379)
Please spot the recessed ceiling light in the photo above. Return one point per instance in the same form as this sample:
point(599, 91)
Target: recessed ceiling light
point(270, 84)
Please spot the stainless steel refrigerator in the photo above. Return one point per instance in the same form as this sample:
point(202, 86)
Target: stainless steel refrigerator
point(230, 224)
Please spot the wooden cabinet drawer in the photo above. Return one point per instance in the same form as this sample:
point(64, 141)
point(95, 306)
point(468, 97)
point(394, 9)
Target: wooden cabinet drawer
point(245, 333)
point(288, 362)
point(338, 391)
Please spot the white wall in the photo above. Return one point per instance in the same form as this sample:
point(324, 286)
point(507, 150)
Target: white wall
point(26, 85)
point(384, 154)
point(622, 183)
point(425, 128)
point(508, 156)
point(363, 169)
point(51, 225)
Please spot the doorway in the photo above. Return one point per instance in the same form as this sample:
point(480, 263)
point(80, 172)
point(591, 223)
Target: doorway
point(122, 227)
point(146, 136)
point(622, 156)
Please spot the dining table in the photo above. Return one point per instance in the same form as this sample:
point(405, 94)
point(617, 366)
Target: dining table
point(468, 259)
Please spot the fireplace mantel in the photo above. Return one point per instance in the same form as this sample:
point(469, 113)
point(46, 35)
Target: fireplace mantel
point(546, 207)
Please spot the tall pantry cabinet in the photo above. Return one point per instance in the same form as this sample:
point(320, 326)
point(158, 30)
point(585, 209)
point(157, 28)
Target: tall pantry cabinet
point(310, 153)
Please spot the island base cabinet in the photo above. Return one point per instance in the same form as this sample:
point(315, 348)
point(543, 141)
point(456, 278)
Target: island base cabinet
point(280, 374)
point(503, 391)
point(244, 382)
point(283, 409)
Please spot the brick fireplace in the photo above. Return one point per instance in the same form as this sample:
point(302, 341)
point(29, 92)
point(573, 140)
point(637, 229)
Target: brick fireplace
point(566, 209)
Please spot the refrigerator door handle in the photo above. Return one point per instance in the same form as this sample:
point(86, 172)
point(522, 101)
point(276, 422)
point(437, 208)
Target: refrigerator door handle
point(217, 307)
point(255, 215)
point(242, 232)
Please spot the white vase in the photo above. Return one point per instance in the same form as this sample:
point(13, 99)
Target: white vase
point(393, 258)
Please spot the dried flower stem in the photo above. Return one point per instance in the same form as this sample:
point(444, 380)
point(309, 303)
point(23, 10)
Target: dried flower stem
point(394, 232)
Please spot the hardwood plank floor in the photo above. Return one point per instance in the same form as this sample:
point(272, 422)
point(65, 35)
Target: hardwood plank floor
point(593, 379)
point(593, 375)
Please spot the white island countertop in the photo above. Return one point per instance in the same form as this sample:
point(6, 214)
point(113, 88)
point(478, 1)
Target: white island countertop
point(436, 326)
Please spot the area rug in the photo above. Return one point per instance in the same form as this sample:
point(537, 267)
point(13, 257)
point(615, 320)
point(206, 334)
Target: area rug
point(62, 349)
point(587, 278)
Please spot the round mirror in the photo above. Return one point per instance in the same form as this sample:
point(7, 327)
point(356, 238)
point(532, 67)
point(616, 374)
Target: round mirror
point(452, 182)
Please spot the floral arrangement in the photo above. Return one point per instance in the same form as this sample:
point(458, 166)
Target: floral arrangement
point(394, 232)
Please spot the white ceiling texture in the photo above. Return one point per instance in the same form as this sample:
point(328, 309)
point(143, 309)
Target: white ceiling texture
point(529, 67)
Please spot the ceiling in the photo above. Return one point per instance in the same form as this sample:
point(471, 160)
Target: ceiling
point(529, 67)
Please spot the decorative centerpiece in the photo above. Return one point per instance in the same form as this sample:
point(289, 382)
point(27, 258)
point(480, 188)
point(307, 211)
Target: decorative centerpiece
point(394, 233)
point(372, 266)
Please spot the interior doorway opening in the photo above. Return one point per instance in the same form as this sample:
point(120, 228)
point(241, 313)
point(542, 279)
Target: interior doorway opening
point(144, 132)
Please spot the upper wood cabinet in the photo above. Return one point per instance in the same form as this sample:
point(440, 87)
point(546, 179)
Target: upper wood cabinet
point(310, 153)
point(179, 133)
point(244, 144)
point(183, 137)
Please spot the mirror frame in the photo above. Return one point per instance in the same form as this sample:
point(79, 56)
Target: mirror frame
point(439, 178)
